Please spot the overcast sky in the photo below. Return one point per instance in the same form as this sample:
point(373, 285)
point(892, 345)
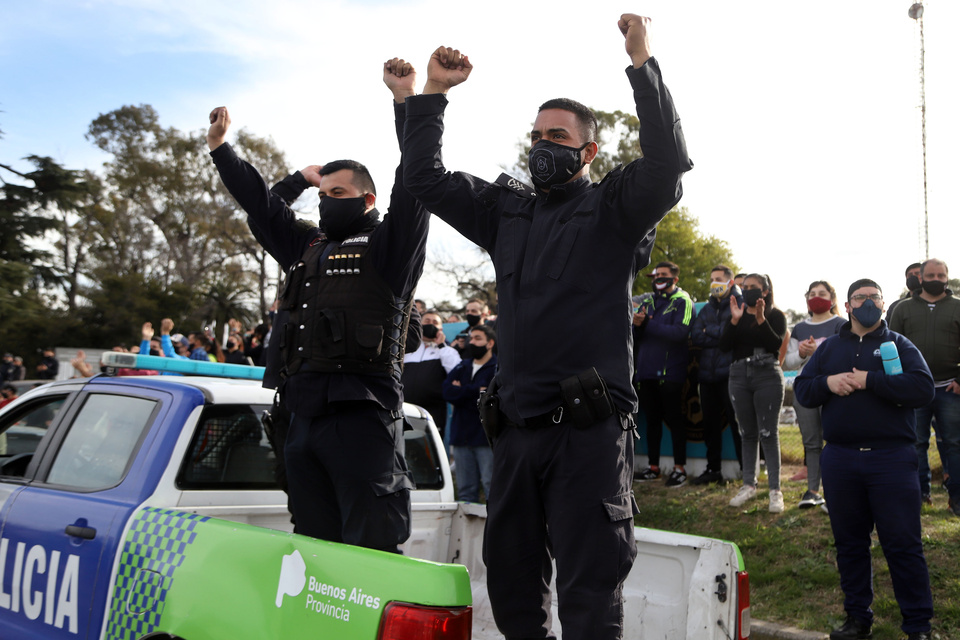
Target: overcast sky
point(802, 118)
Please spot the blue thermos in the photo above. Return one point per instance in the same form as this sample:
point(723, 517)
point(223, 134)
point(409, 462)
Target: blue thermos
point(891, 358)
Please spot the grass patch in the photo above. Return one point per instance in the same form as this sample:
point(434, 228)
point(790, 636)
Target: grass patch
point(791, 558)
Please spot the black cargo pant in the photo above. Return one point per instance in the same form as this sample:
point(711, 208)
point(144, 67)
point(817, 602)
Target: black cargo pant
point(347, 477)
point(715, 403)
point(662, 401)
point(565, 493)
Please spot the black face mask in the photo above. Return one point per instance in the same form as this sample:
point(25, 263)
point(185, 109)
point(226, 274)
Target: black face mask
point(430, 331)
point(341, 217)
point(552, 164)
point(934, 287)
point(750, 296)
point(913, 283)
point(476, 351)
point(473, 319)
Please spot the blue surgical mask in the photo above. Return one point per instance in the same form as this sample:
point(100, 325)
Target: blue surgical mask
point(867, 314)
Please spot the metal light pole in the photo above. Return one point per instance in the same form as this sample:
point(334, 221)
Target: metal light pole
point(916, 12)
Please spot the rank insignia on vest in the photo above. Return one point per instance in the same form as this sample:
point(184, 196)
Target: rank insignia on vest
point(516, 186)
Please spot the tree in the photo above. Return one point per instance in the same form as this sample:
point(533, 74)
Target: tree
point(679, 240)
point(29, 202)
point(22, 222)
point(474, 279)
point(167, 204)
point(85, 260)
point(165, 178)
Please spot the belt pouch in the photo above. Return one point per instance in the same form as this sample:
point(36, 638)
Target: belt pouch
point(586, 397)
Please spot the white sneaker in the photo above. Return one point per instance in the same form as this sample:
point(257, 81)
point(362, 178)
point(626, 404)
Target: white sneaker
point(746, 492)
point(776, 501)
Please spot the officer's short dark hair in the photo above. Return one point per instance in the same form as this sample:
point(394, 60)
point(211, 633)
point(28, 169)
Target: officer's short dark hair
point(666, 264)
point(862, 282)
point(915, 265)
point(727, 271)
point(487, 331)
point(585, 116)
point(361, 177)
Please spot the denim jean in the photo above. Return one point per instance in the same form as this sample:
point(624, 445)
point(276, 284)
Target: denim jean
point(811, 431)
point(756, 390)
point(945, 408)
point(474, 466)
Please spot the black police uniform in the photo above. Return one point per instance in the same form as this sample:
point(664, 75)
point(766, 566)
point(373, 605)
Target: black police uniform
point(346, 475)
point(572, 253)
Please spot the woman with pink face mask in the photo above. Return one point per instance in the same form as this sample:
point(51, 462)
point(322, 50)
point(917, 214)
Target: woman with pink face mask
point(805, 337)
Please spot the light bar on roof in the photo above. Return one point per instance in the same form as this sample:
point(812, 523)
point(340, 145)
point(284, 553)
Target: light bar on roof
point(176, 365)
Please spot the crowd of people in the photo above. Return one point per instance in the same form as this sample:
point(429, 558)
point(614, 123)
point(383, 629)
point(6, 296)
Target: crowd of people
point(13, 369)
point(871, 389)
point(743, 345)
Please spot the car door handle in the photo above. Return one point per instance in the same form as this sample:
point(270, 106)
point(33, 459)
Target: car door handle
point(87, 533)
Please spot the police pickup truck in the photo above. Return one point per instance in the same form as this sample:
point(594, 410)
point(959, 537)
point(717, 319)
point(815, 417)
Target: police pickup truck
point(145, 507)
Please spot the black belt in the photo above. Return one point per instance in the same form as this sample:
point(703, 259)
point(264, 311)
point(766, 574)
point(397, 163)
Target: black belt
point(545, 420)
point(762, 358)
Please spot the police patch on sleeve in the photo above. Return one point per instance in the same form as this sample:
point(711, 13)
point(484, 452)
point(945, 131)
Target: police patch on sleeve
point(517, 187)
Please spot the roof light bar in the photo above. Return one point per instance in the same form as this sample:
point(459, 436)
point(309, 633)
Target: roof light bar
point(176, 365)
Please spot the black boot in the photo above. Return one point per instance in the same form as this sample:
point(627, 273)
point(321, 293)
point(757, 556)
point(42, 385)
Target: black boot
point(919, 635)
point(852, 629)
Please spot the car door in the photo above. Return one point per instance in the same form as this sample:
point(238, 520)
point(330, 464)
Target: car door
point(61, 528)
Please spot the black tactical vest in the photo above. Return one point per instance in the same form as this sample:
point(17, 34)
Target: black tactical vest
point(343, 316)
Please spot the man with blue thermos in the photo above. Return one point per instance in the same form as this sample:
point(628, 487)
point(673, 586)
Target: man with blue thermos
point(869, 463)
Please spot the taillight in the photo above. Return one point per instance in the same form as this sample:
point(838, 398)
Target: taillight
point(743, 605)
point(403, 621)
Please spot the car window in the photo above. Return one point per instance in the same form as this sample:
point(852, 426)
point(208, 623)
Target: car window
point(423, 459)
point(101, 442)
point(21, 431)
point(229, 450)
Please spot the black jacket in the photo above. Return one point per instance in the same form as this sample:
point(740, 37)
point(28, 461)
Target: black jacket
point(570, 254)
point(714, 364)
point(398, 244)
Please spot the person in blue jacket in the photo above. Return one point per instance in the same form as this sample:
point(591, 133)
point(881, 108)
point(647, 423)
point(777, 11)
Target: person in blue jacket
point(869, 464)
point(661, 329)
point(462, 389)
point(714, 373)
